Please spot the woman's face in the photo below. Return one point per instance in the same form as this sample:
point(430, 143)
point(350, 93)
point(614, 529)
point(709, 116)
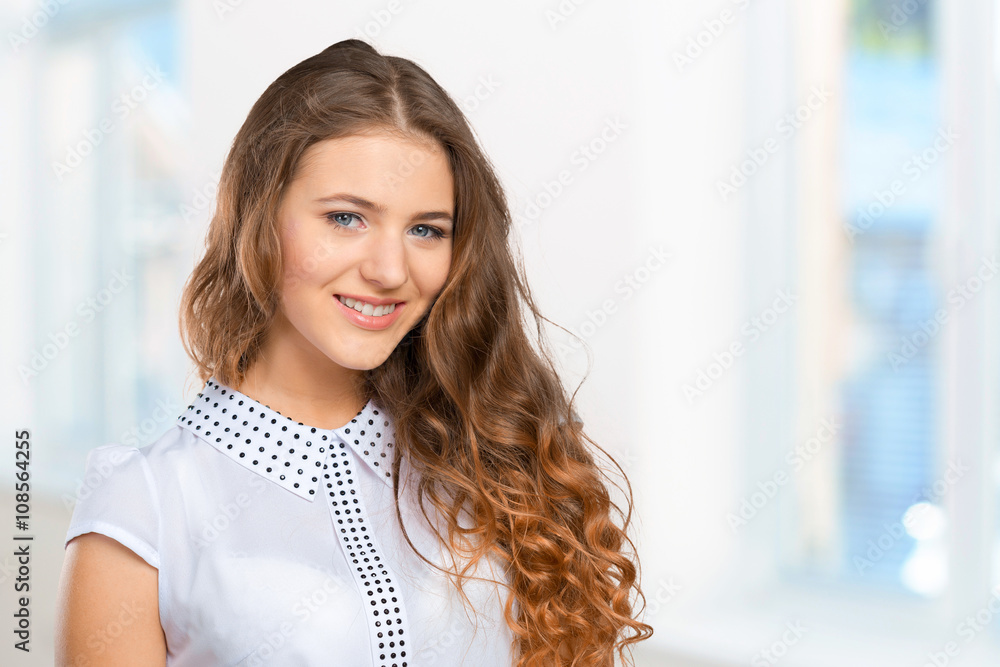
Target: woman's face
point(367, 217)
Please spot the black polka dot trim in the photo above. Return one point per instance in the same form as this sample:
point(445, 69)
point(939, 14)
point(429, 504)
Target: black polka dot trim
point(387, 621)
point(303, 458)
point(279, 448)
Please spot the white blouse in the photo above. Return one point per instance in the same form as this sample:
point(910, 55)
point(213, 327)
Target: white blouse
point(253, 571)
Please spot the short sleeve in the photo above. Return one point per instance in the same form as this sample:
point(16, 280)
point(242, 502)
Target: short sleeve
point(117, 498)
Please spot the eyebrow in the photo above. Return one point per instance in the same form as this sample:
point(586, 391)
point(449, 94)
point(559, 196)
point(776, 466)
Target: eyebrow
point(361, 202)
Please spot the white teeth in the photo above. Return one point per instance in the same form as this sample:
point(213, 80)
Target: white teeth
point(367, 308)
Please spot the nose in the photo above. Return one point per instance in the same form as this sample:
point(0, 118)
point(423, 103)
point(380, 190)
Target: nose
point(384, 263)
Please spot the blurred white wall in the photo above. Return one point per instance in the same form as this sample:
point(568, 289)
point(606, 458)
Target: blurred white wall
point(611, 125)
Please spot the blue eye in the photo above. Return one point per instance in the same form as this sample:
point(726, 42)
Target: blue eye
point(435, 233)
point(333, 217)
point(342, 220)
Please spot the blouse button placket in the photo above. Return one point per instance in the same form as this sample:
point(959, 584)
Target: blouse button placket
point(387, 621)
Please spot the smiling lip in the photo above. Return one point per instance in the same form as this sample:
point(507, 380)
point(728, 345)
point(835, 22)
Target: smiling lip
point(369, 322)
point(368, 299)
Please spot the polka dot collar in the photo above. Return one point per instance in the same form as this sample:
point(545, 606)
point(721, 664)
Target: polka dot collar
point(289, 453)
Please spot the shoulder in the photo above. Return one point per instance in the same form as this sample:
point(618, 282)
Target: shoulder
point(151, 466)
point(174, 442)
point(127, 492)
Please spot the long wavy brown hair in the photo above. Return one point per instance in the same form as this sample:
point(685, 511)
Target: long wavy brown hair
point(478, 408)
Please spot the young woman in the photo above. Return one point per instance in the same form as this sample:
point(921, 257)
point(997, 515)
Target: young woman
point(380, 468)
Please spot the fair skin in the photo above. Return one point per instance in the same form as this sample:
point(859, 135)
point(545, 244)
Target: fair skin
point(382, 242)
point(311, 365)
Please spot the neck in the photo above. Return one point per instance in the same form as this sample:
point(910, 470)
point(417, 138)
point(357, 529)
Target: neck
point(291, 376)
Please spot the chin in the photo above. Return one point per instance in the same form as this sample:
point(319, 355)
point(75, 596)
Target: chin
point(360, 362)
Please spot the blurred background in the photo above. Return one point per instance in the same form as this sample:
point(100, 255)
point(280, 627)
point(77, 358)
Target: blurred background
point(765, 233)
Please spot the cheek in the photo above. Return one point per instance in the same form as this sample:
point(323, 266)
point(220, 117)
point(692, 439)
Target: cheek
point(294, 274)
point(305, 261)
point(292, 268)
point(295, 271)
point(432, 276)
